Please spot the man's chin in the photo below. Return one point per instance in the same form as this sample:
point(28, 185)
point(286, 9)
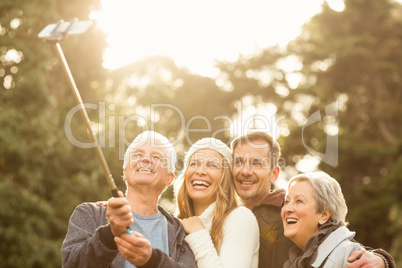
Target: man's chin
point(245, 192)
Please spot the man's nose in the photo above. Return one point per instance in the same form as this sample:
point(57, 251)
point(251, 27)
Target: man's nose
point(246, 169)
point(145, 159)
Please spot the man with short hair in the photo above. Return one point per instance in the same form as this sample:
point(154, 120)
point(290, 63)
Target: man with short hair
point(255, 170)
point(97, 235)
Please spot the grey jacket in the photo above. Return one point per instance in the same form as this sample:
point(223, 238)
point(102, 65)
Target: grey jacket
point(89, 242)
point(336, 248)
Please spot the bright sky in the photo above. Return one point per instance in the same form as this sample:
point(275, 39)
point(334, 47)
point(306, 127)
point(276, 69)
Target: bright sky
point(195, 33)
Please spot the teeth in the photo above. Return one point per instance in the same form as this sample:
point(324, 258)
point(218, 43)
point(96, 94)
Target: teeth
point(247, 182)
point(291, 221)
point(201, 183)
point(145, 169)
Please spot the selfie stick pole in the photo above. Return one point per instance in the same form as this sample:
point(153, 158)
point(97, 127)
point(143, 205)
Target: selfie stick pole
point(55, 33)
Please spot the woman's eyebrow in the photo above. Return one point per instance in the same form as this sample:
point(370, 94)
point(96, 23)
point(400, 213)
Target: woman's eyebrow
point(216, 162)
point(301, 196)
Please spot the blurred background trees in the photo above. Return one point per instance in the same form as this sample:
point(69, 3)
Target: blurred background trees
point(349, 60)
point(42, 177)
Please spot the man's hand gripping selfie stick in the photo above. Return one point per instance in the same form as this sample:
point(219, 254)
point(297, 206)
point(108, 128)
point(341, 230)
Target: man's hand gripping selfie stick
point(55, 33)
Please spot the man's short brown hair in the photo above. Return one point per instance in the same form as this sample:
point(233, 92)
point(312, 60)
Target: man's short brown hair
point(275, 152)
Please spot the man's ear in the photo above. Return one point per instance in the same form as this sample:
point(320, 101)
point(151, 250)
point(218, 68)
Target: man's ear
point(324, 217)
point(170, 178)
point(275, 174)
point(124, 174)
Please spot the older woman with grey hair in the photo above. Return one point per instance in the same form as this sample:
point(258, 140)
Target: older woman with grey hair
point(314, 219)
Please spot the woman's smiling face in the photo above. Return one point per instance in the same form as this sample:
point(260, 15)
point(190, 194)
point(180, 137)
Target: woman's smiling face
point(202, 176)
point(299, 216)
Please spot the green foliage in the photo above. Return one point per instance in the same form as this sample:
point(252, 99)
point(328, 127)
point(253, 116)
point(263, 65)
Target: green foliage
point(31, 232)
point(43, 176)
point(183, 106)
point(364, 69)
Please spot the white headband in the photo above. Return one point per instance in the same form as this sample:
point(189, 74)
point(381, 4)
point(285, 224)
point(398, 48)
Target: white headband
point(210, 143)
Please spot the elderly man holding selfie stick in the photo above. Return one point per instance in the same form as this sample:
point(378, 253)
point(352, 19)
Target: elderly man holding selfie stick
point(97, 235)
point(131, 231)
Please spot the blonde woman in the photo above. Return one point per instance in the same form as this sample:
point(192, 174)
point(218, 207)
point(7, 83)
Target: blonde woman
point(220, 233)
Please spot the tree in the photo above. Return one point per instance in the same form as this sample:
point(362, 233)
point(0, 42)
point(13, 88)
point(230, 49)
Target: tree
point(39, 168)
point(353, 58)
point(183, 106)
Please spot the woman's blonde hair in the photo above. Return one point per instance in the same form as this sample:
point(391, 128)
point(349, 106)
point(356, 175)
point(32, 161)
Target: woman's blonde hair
point(226, 198)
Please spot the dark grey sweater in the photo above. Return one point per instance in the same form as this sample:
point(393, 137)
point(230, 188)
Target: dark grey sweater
point(89, 242)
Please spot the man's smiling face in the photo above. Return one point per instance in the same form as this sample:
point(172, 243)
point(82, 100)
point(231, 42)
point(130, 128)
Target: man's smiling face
point(147, 166)
point(252, 171)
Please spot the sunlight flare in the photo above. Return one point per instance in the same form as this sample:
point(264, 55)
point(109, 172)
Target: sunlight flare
point(196, 33)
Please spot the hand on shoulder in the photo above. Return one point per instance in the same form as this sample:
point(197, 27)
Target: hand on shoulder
point(192, 224)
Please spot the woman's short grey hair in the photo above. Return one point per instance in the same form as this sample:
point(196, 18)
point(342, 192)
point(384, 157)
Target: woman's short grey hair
point(328, 195)
point(157, 141)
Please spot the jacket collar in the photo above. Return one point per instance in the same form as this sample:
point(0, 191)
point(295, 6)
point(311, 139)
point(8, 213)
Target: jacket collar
point(331, 242)
point(207, 215)
point(275, 198)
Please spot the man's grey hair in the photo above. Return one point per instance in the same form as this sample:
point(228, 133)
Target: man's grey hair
point(157, 141)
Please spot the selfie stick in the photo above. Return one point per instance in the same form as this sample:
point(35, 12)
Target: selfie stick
point(55, 33)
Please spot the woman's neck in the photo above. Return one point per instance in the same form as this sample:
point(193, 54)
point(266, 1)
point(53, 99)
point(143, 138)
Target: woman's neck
point(200, 208)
